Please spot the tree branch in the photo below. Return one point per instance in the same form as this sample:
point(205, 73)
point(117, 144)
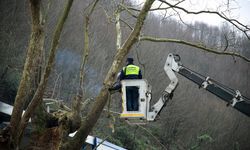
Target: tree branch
point(122, 5)
point(154, 9)
point(33, 54)
point(139, 60)
point(78, 99)
point(130, 27)
point(234, 22)
point(118, 28)
point(156, 139)
point(196, 45)
point(86, 46)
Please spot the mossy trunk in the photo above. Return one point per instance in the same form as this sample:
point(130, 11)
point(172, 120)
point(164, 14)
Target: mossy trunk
point(31, 65)
point(37, 99)
point(18, 122)
point(48, 139)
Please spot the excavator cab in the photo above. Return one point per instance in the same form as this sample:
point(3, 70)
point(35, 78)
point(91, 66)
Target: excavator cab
point(142, 96)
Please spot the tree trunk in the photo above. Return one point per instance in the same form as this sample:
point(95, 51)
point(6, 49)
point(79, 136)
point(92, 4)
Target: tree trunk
point(37, 99)
point(18, 122)
point(100, 101)
point(33, 52)
point(48, 139)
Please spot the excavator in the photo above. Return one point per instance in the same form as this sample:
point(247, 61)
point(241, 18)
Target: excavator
point(173, 65)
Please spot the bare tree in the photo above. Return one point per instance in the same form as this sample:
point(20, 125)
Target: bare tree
point(101, 99)
point(19, 122)
point(70, 120)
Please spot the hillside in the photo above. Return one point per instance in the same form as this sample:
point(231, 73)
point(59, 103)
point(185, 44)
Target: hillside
point(193, 119)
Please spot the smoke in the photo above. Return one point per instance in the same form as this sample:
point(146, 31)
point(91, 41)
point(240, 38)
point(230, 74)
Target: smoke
point(67, 66)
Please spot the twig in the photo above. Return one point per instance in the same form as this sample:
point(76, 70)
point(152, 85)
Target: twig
point(226, 43)
point(126, 24)
point(153, 136)
point(138, 58)
point(196, 45)
point(110, 111)
point(234, 22)
point(126, 8)
point(55, 85)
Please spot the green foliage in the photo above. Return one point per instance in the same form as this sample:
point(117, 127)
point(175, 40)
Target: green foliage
point(236, 146)
point(204, 138)
point(39, 120)
point(127, 136)
point(134, 138)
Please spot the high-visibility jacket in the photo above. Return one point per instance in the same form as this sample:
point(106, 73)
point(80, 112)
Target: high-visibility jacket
point(131, 71)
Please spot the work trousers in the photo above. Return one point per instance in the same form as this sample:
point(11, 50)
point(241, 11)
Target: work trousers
point(132, 96)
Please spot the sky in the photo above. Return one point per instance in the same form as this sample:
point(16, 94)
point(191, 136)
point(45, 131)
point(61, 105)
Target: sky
point(239, 9)
point(245, 11)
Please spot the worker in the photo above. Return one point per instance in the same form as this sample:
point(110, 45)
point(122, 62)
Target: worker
point(131, 71)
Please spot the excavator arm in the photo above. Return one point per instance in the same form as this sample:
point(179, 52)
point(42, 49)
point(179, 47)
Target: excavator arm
point(233, 97)
point(147, 112)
